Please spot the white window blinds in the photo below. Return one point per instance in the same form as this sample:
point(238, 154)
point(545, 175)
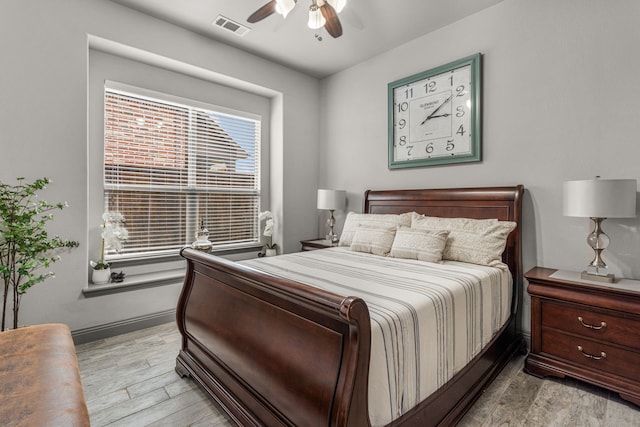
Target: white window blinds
point(170, 167)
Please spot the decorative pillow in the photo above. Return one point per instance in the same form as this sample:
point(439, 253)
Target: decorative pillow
point(355, 220)
point(477, 241)
point(375, 241)
point(415, 243)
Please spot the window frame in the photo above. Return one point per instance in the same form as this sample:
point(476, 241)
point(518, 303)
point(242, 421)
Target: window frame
point(116, 62)
point(190, 190)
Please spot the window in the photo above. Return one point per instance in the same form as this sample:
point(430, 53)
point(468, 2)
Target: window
point(172, 164)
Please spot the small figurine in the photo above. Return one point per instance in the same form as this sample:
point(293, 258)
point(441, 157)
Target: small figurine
point(202, 242)
point(117, 277)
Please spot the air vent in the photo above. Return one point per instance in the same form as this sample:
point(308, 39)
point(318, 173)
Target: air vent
point(230, 25)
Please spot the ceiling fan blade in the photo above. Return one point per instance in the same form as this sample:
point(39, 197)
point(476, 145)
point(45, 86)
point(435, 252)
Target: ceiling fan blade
point(265, 11)
point(333, 25)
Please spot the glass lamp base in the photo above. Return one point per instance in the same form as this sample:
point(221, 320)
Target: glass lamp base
point(331, 222)
point(599, 241)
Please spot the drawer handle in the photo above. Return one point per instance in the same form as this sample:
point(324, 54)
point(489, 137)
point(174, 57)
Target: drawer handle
point(586, 325)
point(603, 355)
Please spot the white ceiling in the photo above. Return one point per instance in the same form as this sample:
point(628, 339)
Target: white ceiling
point(369, 27)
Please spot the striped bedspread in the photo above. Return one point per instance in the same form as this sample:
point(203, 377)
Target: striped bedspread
point(427, 320)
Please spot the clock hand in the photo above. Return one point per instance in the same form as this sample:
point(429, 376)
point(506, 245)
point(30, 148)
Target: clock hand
point(436, 110)
point(440, 115)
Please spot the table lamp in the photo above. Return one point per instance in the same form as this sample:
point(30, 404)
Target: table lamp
point(331, 200)
point(599, 199)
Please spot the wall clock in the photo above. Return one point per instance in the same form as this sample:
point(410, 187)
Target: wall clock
point(434, 116)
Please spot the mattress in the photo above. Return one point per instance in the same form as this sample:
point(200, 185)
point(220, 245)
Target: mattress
point(428, 320)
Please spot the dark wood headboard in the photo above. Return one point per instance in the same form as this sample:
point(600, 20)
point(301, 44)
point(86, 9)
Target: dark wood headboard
point(503, 203)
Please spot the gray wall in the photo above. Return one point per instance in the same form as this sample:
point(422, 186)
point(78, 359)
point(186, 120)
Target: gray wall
point(44, 132)
point(560, 103)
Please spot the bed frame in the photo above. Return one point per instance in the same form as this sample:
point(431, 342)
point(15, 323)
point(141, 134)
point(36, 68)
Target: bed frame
point(277, 352)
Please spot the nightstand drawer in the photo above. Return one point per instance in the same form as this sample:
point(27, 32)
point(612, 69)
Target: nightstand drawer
point(574, 322)
point(591, 324)
point(590, 354)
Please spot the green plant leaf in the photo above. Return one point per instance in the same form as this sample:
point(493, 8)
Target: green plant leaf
point(25, 245)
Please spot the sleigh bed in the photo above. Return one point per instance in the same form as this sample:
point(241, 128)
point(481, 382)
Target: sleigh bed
point(273, 349)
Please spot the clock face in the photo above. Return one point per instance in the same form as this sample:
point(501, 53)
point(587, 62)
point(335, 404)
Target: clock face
point(434, 117)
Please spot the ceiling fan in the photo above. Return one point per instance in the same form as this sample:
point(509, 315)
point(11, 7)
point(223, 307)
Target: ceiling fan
point(322, 13)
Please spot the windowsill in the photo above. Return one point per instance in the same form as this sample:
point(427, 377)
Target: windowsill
point(151, 279)
point(136, 281)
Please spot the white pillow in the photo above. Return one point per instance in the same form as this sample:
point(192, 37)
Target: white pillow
point(375, 241)
point(477, 241)
point(415, 243)
point(355, 220)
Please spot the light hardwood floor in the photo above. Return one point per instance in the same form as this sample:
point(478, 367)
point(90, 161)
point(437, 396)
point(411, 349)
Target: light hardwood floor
point(129, 380)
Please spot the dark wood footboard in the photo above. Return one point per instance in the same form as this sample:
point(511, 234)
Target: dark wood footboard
point(273, 351)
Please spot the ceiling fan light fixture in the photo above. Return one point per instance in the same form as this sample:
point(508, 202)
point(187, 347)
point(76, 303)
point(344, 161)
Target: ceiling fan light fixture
point(316, 20)
point(338, 5)
point(321, 14)
point(283, 7)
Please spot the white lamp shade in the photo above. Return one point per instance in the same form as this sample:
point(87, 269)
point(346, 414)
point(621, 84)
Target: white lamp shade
point(600, 198)
point(316, 20)
point(283, 7)
point(331, 199)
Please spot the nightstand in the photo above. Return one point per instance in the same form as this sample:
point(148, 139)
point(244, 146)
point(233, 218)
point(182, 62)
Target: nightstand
point(313, 244)
point(585, 330)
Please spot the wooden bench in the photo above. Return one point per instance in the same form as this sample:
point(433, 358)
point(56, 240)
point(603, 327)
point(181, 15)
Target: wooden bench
point(39, 378)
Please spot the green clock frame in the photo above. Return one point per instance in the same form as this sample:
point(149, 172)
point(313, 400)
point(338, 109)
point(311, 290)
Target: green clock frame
point(435, 116)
